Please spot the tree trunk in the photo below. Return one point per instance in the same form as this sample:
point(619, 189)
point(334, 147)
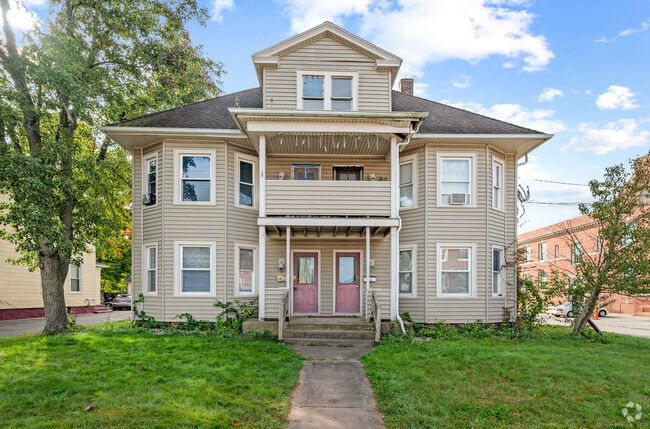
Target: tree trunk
point(586, 312)
point(53, 274)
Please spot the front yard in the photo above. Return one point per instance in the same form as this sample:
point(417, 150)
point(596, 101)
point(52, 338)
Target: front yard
point(549, 381)
point(144, 380)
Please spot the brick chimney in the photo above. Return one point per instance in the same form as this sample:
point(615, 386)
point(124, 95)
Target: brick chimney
point(406, 86)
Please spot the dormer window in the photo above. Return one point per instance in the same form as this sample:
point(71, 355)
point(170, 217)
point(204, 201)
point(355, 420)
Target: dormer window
point(327, 91)
point(313, 92)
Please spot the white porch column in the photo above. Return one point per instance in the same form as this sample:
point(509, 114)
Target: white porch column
point(262, 229)
point(262, 175)
point(288, 269)
point(367, 267)
point(262, 270)
point(394, 237)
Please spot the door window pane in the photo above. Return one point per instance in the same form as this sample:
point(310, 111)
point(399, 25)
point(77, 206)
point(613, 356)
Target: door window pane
point(305, 269)
point(347, 269)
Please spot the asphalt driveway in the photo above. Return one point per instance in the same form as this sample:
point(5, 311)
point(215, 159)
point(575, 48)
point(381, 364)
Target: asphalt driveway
point(614, 322)
point(21, 326)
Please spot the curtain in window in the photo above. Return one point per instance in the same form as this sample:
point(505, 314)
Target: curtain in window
point(306, 269)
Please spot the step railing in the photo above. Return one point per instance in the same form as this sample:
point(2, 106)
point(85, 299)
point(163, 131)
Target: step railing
point(376, 314)
point(283, 312)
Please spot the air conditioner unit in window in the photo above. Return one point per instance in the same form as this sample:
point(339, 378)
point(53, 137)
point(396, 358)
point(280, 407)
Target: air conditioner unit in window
point(149, 199)
point(458, 199)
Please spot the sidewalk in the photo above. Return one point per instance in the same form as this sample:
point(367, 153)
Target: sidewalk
point(617, 323)
point(21, 326)
point(333, 391)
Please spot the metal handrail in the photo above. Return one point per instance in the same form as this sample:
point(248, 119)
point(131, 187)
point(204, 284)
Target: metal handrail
point(376, 314)
point(282, 314)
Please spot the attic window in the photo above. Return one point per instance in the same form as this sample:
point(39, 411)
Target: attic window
point(341, 93)
point(313, 92)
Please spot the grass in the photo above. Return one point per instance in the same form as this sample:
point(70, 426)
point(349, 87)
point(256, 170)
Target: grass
point(549, 381)
point(140, 379)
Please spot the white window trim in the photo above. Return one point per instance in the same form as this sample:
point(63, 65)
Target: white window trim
point(320, 169)
point(542, 245)
point(81, 283)
point(502, 273)
point(414, 179)
point(177, 268)
point(502, 168)
point(178, 154)
point(145, 269)
point(145, 176)
point(473, 177)
point(414, 271)
point(472, 265)
point(327, 87)
point(255, 270)
point(252, 160)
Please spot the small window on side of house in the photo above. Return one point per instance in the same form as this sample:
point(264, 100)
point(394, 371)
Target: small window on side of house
point(576, 253)
point(152, 176)
point(195, 178)
point(557, 251)
point(497, 185)
point(406, 184)
point(456, 181)
point(497, 272)
point(341, 93)
point(75, 278)
point(195, 269)
point(246, 183)
point(245, 270)
point(456, 271)
point(406, 272)
point(542, 252)
point(152, 269)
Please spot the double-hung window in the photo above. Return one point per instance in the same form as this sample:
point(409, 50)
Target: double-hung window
point(152, 269)
point(527, 257)
point(497, 184)
point(456, 179)
point(456, 270)
point(75, 278)
point(543, 280)
point(194, 172)
point(305, 172)
point(576, 253)
point(407, 271)
point(151, 178)
point(313, 92)
point(245, 179)
point(557, 251)
point(407, 188)
point(245, 269)
point(195, 265)
point(321, 90)
point(497, 274)
point(542, 252)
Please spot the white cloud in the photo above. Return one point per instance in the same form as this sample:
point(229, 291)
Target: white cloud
point(536, 119)
point(462, 81)
point(549, 94)
point(629, 31)
point(420, 89)
point(617, 97)
point(623, 134)
point(20, 17)
point(424, 31)
point(219, 7)
point(509, 65)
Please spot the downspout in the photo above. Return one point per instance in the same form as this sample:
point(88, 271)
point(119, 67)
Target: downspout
point(399, 149)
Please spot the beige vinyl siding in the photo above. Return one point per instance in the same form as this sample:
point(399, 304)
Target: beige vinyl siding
point(378, 165)
point(379, 251)
point(412, 233)
point(327, 197)
point(326, 54)
point(458, 225)
point(20, 288)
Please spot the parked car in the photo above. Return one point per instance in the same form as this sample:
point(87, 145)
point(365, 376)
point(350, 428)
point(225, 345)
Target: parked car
point(121, 303)
point(566, 310)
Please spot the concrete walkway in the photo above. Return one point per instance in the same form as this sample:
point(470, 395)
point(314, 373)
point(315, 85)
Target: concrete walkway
point(333, 390)
point(626, 324)
point(22, 326)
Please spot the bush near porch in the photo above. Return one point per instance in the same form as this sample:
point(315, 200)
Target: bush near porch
point(546, 380)
point(135, 378)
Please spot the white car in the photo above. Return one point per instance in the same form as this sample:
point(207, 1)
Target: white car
point(566, 310)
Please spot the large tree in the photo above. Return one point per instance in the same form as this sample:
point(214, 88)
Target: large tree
point(620, 264)
point(90, 63)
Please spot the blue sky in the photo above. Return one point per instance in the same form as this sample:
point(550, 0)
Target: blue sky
point(578, 69)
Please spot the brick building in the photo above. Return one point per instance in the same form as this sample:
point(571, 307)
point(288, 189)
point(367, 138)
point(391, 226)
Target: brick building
point(551, 249)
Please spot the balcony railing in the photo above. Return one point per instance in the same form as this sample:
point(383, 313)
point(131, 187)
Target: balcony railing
point(327, 198)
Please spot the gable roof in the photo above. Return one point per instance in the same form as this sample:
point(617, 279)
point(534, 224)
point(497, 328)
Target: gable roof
point(270, 56)
point(213, 114)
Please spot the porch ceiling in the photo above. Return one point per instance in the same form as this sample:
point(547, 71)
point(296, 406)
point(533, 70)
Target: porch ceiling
point(341, 222)
point(327, 232)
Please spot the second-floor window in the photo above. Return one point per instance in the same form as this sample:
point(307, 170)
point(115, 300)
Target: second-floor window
point(305, 172)
point(75, 278)
point(456, 179)
point(195, 178)
point(576, 254)
point(557, 251)
point(313, 92)
point(497, 184)
point(341, 93)
point(406, 184)
point(151, 176)
point(527, 254)
point(245, 181)
point(542, 251)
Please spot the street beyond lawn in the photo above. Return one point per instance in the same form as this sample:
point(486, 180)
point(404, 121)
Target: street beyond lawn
point(550, 381)
point(127, 379)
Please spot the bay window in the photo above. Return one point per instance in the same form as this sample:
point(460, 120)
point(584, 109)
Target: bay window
point(194, 263)
point(194, 177)
point(456, 270)
point(456, 179)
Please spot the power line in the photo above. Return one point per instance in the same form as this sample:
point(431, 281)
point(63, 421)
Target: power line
point(554, 203)
point(559, 183)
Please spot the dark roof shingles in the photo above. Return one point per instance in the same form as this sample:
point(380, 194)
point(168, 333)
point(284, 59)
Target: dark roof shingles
point(213, 113)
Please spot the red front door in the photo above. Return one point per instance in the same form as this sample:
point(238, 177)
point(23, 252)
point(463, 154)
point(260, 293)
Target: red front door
point(347, 282)
point(305, 282)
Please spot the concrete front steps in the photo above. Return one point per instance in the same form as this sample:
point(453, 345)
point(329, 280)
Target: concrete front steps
point(329, 331)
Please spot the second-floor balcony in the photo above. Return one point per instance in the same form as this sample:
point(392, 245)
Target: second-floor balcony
point(328, 198)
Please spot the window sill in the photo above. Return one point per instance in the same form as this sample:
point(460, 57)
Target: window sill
point(405, 209)
point(457, 206)
point(251, 208)
point(195, 295)
point(194, 204)
point(246, 295)
point(455, 296)
point(77, 292)
point(150, 294)
point(408, 295)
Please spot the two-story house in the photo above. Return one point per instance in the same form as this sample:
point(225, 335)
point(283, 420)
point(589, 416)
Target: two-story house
point(325, 188)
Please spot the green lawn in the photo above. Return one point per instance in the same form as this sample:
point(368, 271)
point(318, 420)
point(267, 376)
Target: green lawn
point(144, 380)
point(552, 381)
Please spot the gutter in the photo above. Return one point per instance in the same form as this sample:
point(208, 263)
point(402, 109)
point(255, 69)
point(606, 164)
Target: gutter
point(167, 131)
point(486, 136)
